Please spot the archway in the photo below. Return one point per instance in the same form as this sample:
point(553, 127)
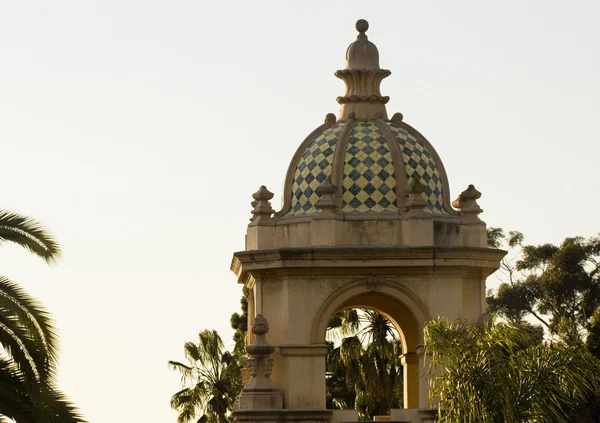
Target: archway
point(402, 308)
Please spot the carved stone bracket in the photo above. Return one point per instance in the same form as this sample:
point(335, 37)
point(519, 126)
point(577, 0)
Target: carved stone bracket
point(373, 283)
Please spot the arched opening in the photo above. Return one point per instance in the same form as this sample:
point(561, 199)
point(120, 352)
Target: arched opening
point(404, 312)
point(364, 368)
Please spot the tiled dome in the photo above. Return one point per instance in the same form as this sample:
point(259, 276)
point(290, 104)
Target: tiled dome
point(369, 174)
point(365, 161)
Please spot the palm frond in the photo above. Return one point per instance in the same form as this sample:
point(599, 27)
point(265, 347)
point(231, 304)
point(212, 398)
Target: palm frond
point(16, 400)
point(27, 334)
point(30, 313)
point(17, 349)
point(24, 403)
point(495, 374)
point(187, 372)
point(210, 383)
point(29, 234)
point(62, 410)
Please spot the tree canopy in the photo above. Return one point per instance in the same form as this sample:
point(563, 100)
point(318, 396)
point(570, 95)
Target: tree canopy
point(504, 373)
point(557, 285)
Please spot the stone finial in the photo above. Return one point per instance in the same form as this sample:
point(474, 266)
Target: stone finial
point(415, 204)
point(362, 25)
point(466, 203)
point(362, 76)
point(327, 204)
point(260, 393)
point(260, 364)
point(397, 117)
point(362, 54)
point(330, 118)
point(262, 210)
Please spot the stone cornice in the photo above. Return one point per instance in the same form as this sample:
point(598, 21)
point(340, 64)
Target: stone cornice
point(386, 259)
point(296, 415)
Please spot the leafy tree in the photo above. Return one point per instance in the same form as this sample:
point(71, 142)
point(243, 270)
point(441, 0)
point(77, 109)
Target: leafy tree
point(364, 369)
point(211, 381)
point(593, 338)
point(502, 373)
point(559, 286)
point(28, 341)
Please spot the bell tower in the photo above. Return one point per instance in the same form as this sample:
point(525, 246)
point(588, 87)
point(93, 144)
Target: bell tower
point(366, 222)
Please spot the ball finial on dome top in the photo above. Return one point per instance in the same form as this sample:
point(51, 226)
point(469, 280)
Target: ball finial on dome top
point(362, 76)
point(362, 25)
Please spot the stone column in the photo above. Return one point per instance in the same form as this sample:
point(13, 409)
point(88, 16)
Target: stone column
point(423, 367)
point(410, 362)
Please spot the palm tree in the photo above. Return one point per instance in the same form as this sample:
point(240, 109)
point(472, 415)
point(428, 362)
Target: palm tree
point(364, 371)
point(28, 341)
point(504, 373)
point(211, 380)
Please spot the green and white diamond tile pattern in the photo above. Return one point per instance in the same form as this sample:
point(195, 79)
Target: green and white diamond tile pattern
point(420, 165)
point(313, 168)
point(369, 182)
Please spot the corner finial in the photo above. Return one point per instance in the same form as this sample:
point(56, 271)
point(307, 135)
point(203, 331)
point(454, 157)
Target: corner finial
point(262, 210)
point(362, 25)
point(467, 204)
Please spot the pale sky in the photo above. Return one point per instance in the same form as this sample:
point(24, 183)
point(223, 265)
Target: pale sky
point(138, 130)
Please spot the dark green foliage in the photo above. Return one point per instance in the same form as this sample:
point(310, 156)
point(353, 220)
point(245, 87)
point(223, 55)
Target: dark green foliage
point(502, 373)
point(593, 338)
point(28, 341)
point(557, 285)
point(20, 403)
point(211, 380)
point(364, 370)
point(495, 236)
point(239, 323)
